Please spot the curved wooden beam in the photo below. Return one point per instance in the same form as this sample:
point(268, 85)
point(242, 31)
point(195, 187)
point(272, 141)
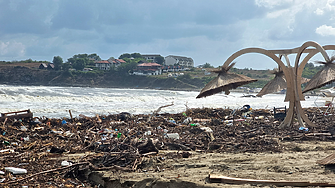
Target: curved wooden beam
point(254, 50)
point(287, 60)
point(298, 74)
point(309, 44)
point(286, 70)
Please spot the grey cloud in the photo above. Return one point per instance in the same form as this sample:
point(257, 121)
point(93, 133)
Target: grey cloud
point(126, 19)
point(303, 27)
point(24, 17)
point(142, 21)
point(74, 15)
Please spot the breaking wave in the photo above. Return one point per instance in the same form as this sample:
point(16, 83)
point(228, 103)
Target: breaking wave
point(55, 102)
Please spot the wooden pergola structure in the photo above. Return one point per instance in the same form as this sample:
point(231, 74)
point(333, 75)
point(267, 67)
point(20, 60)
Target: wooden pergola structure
point(292, 74)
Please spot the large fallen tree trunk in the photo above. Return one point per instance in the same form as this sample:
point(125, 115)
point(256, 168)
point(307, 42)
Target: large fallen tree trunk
point(230, 180)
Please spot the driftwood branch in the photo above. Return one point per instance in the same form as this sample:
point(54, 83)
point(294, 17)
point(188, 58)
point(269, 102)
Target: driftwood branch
point(158, 110)
point(110, 168)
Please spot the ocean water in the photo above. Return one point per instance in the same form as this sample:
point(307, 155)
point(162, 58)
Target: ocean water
point(55, 102)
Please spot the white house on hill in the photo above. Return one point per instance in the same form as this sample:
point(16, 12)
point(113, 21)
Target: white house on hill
point(106, 64)
point(150, 58)
point(179, 60)
point(148, 69)
point(103, 65)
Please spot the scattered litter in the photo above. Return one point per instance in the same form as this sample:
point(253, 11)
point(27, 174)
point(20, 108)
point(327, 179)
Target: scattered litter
point(126, 142)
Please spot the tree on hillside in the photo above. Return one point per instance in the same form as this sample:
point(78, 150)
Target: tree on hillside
point(66, 66)
point(136, 55)
point(126, 68)
point(111, 59)
point(133, 60)
point(126, 55)
point(57, 61)
point(79, 64)
point(160, 60)
point(133, 55)
point(29, 60)
point(73, 59)
point(85, 60)
point(207, 65)
point(95, 57)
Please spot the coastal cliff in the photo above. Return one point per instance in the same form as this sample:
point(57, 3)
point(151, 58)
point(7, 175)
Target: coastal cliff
point(20, 75)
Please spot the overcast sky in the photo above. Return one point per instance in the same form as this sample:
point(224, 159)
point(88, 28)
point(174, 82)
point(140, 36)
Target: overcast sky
point(205, 30)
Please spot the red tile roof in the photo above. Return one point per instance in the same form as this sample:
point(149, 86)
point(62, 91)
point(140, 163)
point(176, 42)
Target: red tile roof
point(148, 64)
point(104, 61)
point(120, 60)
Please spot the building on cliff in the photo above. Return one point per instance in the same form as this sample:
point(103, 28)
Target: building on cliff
point(179, 60)
point(148, 69)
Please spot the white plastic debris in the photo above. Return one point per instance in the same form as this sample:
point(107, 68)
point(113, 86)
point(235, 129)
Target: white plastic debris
point(147, 133)
point(2, 172)
point(57, 132)
point(259, 117)
point(206, 129)
point(68, 134)
point(23, 128)
point(66, 163)
point(7, 151)
point(187, 120)
point(39, 128)
point(14, 170)
point(172, 135)
point(26, 138)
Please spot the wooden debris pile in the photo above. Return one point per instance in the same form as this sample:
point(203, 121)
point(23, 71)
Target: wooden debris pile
point(121, 142)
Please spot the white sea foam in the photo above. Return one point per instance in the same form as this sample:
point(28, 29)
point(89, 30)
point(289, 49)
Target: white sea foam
point(56, 101)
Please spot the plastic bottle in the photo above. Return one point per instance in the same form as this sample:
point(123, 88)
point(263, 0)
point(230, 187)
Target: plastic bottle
point(119, 135)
